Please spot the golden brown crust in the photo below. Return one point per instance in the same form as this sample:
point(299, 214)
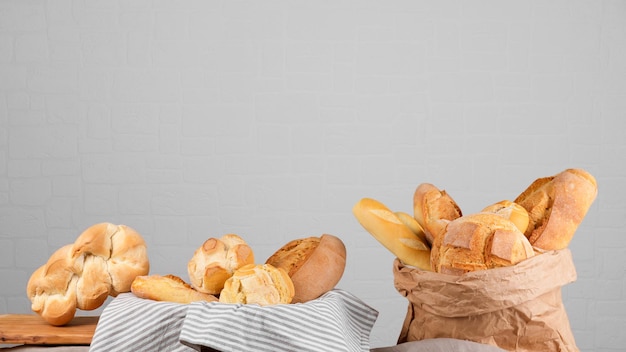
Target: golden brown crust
point(102, 262)
point(261, 284)
point(478, 242)
point(411, 223)
point(314, 264)
point(556, 206)
point(216, 260)
point(52, 288)
point(433, 209)
point(388, 229)
point(168, 288)
point(292, 256)
point(511, 211)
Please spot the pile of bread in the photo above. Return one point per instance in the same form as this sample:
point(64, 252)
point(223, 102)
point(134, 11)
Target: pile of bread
point(438, 237)
point(224, 269)
point(108, 259)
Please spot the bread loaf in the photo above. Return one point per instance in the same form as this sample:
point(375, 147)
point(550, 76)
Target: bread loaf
point(411, 223)
point(168, 288)
point(314, 264)
point(261, 284)
point(478, 242)
point(511, 211)
point(52, 288)
point(103, 261)
point(385, 226)
point(433, 209)
point(556, 206)
point(216, 261)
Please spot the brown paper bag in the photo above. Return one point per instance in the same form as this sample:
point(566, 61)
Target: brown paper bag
point(516, 308)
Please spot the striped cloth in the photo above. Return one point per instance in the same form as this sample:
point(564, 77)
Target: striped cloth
point(338, 321)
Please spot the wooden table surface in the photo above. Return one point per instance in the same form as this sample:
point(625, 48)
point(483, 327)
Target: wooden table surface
point(31, 329)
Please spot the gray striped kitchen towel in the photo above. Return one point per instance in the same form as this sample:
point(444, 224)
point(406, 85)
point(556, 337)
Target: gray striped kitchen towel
point(337, 321)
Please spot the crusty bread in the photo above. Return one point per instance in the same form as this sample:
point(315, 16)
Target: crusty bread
point(556, 206)
point(433, 209)
point(386, 227)
point(511, 211)
point(261, 284)
point(102, 262)
point(314, 264)
point(168, 288)
point(478, 242)
point(216, 261)
point(52, 288)
point(411, 223)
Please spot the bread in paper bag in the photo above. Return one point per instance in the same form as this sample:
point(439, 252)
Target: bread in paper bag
point(516, 308)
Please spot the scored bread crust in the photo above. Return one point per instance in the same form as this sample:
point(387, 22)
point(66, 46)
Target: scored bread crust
point(103, 261)
point(388, 229)
point(314, 264)
point(478, 242)
point(556, 206)
point(433, 209)
point(261, 284)
point(416, 228)
point(168, 288)
point(511, 211)
point(216, 260)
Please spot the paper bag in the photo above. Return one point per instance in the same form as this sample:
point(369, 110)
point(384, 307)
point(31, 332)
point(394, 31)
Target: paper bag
point(517, 308)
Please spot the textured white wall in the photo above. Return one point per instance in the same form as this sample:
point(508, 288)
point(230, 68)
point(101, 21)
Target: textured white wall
point(192, 119)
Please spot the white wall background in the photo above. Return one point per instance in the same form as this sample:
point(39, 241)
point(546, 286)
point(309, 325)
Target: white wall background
point(271, 119)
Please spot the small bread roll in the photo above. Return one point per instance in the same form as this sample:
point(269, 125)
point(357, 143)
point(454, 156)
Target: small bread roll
point(511, 211)
point(556, 206)
point(478, 242)
point(261, 284)
point(386, 227)
point(433, 209)
point(216, 261)
point(168, 288)
point(314, 264)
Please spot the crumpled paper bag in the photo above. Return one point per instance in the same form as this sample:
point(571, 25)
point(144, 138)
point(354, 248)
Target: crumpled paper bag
point(517, 308)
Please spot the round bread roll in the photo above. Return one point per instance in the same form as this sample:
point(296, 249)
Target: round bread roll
point(511, 211)
point(261, 284)
point(314, 264)
point(167, 288)
point(478, 242)
point(103, 261)
point(433, 209)
point(216, 261)
point(556, 206)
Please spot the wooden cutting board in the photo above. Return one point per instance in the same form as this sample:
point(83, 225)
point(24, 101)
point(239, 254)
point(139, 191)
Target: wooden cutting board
point(30, 329)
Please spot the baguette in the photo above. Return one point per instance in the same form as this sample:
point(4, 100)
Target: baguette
point(167, 288)
point(556, 206)
point(385, 226)
point(412, 224)
point(434, 209)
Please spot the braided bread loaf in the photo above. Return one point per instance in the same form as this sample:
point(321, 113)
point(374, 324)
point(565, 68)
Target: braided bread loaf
point(103, 261)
